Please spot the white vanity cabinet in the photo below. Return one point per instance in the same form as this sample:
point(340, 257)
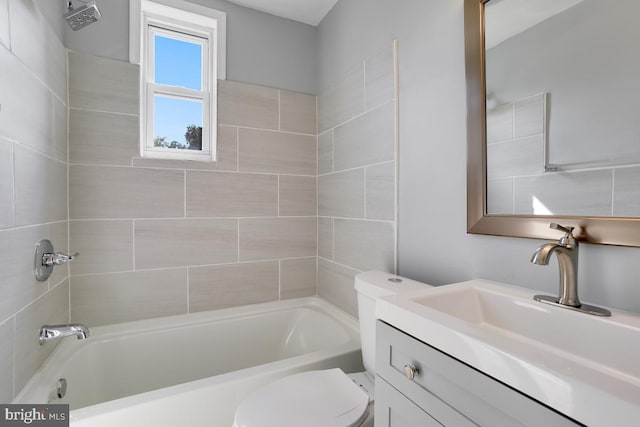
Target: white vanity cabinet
point(445, 391)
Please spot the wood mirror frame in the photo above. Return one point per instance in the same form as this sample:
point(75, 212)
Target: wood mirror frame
point(599, 230)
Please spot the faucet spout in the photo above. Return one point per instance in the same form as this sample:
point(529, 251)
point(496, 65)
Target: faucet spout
point(51, 332)
point(542, 255)
point(566, 251)
point(568, 262)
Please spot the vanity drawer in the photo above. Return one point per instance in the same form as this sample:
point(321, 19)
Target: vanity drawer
point(445, 387)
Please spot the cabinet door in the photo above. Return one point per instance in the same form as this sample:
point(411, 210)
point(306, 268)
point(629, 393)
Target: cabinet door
point(445, 387)
point(392, 409)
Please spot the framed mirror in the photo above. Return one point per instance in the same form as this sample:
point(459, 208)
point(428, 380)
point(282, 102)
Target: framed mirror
point(553, 118)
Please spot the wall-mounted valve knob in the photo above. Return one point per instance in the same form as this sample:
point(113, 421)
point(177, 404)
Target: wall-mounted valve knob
point(58, 258)
point(46, 258)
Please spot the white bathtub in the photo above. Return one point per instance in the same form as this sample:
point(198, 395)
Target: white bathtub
point(193, 369)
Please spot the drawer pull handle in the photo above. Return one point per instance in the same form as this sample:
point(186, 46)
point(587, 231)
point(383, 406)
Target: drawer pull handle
point(411, 371)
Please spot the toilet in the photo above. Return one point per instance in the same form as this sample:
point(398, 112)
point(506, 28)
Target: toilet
point(329, 397)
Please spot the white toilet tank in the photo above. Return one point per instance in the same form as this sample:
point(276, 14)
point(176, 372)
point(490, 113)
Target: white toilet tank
point(371, 285)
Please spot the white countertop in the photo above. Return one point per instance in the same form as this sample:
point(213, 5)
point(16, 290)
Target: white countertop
point(535, 352)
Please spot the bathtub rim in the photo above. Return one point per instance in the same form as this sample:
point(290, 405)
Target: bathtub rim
point(37, 384)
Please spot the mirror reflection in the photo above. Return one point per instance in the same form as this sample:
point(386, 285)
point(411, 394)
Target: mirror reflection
point(563, 107)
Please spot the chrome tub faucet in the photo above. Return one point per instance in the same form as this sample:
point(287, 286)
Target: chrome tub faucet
point(52, 332)
point(566, 251)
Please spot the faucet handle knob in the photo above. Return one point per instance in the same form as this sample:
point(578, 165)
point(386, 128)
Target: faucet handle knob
point(568, 239)
point(565, 229)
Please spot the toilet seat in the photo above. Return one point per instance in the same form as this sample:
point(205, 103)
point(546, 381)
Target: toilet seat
point(326, 398)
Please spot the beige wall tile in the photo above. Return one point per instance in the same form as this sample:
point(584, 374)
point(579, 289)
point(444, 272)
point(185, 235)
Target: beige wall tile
point(37, 45)
point(273, 238)
point(102, 138)
point(242, 104)
point(40, 188)
point(379, 82)
point(182, 242)
point(52, 308)
point(516, 158)
point(298, 278)
point(573, 193)
point(227, 149)
point(325, 237)
point(336, 285)
point(626, 192)
point(103, 84)
point(7, 218)
point(104, 246)
point(366, 140)
point(297, 112)
point(276, 152)
point(231, 194)
point(122, 297)
point(529, 116)
point(18, 285)
point(380, 185)
point(364, 245)
point(31, 113)
point(500, 196)
point(325, 152)
point(500, 123)
point(342, 101)
point(103, 192)
point(221, 286)
point(297, 196)
point(341, 194)
point(59, 237)
point(6, 358)
point(146, 162)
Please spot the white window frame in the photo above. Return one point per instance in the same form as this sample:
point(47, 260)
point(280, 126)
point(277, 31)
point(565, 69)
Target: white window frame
point(188, 22)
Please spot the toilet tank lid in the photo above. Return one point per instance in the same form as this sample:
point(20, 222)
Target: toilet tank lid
point(376, 284)
point(312, 399)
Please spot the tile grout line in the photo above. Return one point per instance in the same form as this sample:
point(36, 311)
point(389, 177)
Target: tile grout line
point(66, 60)
point(364, 214)
point(364, 86)
point(613, 189)
point(188, 291)
point(238, 238)
point(237, 150)
point(279, 279)
point(133, 243)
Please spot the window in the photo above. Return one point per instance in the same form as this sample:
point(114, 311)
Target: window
point(180, 48)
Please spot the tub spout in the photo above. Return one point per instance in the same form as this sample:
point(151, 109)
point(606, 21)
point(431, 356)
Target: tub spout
point(51, 332)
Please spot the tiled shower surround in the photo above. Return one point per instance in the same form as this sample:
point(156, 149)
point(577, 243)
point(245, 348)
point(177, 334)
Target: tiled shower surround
point(33, 188)
point(356, 178)
point(278, 215)
point(163, 237)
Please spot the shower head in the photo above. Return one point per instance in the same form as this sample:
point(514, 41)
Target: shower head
point(81, 17)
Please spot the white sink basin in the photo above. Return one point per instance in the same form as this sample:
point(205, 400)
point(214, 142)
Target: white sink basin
point(585, 366)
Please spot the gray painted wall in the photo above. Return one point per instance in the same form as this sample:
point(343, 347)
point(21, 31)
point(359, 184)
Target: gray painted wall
point(261, 48)
point(433, 244)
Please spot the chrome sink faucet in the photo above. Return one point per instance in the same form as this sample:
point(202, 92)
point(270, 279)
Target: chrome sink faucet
point(51, 332)
point(566, 251)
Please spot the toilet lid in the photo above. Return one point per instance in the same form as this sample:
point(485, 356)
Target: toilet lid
point(326, 398)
